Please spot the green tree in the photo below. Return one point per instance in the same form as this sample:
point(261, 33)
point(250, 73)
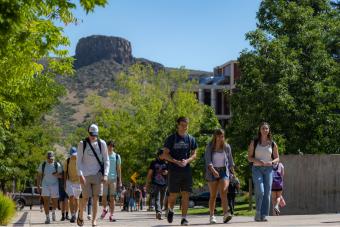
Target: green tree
point(142, 112)
point(290, 78)
point(29, 36)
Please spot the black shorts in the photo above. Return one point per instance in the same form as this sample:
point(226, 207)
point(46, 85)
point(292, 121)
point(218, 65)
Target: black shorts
point(179, 181)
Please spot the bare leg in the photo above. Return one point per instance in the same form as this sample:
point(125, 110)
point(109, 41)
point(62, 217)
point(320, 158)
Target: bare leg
point(223, 188)
point(46, 204)
point(185, 203)
point(95, 208)
point(172, 200)
point(213, 186)
point(112, 204)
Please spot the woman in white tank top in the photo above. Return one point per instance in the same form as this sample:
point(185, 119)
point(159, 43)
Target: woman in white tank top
point(219, 161)
point(263, 152)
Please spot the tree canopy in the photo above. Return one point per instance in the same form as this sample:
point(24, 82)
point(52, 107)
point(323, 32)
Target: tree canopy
point(29, 37)
point(290, 77)
point(142, 111)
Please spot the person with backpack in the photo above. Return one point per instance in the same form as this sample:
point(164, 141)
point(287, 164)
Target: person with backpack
point(63, 197)
point(277, 187)
point(156, 182)
point(263, 153)
point(233, 189)
point(179, 150)
point(114, 182)
point(73, 188)
point(93, 168)
point(48, 184)
point(218, 162)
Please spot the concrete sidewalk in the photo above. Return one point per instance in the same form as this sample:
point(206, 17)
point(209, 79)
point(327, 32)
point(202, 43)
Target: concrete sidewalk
point(30, 218)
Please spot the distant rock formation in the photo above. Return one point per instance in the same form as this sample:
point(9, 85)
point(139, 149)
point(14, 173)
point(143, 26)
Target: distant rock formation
point(95, 48)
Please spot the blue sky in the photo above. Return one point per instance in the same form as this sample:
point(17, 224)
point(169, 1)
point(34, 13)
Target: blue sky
point(196, 34)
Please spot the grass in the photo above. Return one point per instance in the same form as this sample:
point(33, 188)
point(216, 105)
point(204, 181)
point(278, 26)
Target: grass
point(241, 208)
point(7, 209)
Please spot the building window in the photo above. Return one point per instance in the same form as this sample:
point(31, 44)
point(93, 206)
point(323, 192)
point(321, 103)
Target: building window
point(207, 97)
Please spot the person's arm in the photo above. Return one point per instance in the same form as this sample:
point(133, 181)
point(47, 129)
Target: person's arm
point(251, 157)
point(207, 158)
point(106, 159)
point(119, 171)
point(166, 156)
point(148, 179)
point(39, 178)
point(80, 155)
point(276, 154)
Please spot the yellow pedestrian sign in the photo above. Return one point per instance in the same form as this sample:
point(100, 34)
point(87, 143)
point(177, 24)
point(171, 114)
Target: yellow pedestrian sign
point(134, 177)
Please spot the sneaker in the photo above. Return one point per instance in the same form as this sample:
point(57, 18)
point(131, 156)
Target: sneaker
point(73, 219)
point(62, 218)
point(277, 210)
point(227, 217)
point(53, 216)
point(213, 220)
point(112, 219)
point(170, 216)
point(159, 215)
point(47, 221)
point(103, 214)
point(264, 219)
point(184, 222)
point(89, 217)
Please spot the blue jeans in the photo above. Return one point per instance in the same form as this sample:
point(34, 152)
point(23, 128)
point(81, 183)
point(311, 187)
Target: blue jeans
point(262, 178)
point(158, 194)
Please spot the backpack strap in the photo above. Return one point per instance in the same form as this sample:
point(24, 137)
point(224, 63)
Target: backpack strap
point(255, 144)
point(56, 166)
point(43, 168)
point(67, 163)
point(85, 142)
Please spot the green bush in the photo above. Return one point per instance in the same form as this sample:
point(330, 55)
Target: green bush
point(7, 209)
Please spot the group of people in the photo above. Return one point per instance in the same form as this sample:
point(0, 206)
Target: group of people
point(94, 167)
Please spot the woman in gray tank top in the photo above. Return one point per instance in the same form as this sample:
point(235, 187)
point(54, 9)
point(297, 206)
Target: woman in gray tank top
point(263, 152)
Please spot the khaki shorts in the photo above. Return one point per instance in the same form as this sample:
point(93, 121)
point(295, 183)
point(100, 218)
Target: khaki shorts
point(109, 188)
point(73, 189)
point(92, 186)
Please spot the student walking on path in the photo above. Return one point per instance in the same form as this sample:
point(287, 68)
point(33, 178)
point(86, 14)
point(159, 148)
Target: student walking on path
point(179, 151)
point(263, 153)
point(218, 160)
point(93, 168)
point(73, 188)
point(48, 184)
point(114, 182)
point(277, 187)
point(156, 182)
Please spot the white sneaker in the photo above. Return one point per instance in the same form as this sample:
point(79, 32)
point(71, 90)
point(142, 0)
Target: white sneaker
point(227, 217)
point(47, 221)
point(89, 217)
point(213, 220)
point(53, 216)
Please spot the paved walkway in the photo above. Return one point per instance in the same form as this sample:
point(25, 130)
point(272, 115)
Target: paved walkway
point(34, 218)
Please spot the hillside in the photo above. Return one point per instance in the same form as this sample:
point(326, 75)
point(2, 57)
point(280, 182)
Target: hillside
point(99, 59)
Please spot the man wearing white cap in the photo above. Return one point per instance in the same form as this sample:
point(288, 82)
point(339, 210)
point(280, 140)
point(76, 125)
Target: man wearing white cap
point(73, 188)
point(93, 168)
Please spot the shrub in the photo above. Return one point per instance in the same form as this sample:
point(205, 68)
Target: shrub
point(7, 209)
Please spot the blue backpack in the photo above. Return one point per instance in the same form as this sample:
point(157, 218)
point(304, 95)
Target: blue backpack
point(277, 179)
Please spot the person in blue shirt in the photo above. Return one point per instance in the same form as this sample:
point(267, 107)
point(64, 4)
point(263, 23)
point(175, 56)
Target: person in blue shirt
point(110, 187)
point(179, 151)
